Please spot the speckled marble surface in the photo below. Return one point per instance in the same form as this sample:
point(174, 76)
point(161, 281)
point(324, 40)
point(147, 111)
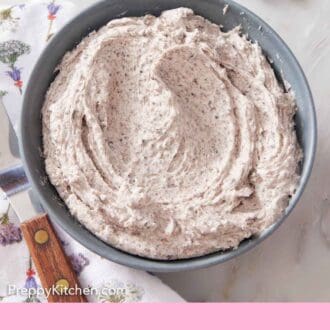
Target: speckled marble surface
point(294, 263)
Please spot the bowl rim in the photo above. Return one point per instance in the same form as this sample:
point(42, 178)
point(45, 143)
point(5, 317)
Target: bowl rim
point(155, 265)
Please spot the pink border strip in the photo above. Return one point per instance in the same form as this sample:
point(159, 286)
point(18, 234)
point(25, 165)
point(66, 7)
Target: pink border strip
point(165, 316)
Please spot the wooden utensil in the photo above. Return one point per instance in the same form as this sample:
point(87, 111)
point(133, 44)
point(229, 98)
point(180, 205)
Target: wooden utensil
point(52, 265)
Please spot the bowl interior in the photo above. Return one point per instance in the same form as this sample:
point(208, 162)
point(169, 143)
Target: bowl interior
point(283, 62)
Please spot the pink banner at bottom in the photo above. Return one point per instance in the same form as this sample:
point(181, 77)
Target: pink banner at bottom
point(165, 316)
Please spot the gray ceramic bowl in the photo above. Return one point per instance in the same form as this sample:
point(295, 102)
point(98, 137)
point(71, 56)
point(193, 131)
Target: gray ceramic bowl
point(92, 19)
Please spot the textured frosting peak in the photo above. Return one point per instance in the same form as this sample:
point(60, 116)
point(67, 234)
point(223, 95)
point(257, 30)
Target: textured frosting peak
point(169, 138)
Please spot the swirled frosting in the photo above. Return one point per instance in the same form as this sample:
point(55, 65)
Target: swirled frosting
point(169, 138)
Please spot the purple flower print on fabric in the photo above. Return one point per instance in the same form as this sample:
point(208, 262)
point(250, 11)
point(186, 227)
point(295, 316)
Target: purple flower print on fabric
point(9, 232)
point(15, 74)
point(79, 262)
point(31, 284)
point(10, 51)
point(52, 8)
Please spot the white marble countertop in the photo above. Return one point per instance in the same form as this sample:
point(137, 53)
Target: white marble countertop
point(294, 263)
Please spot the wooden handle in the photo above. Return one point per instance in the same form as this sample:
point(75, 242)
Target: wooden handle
point(53, 267)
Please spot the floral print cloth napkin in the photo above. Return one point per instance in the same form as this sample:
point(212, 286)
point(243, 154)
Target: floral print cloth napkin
point(25, 29)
